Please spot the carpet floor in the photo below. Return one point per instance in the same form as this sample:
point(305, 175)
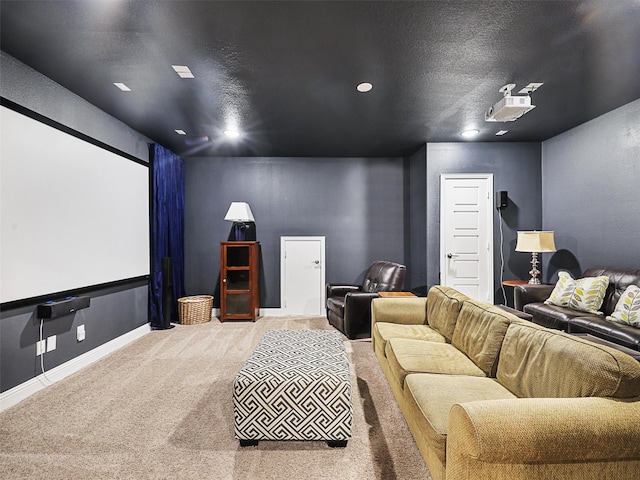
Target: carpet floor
point(161, 408)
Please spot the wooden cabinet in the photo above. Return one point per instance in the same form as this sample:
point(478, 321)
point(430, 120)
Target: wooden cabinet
point(239, 280)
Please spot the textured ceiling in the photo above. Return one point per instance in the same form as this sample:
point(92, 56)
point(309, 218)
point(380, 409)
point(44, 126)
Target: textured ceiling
point(285, 73)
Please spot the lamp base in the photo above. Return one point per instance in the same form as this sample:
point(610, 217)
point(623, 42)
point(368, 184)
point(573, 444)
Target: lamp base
point(534, 272)
point(242, 231)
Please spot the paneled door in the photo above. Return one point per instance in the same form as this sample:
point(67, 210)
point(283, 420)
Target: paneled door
point(466, 234)
point(302, 273)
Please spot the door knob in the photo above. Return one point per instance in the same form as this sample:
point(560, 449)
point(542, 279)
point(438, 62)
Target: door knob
point(317, 262)
point(451, 255)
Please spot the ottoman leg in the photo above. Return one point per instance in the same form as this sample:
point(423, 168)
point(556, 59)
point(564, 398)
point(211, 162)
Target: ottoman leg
point(248, 443)
point(337, 443)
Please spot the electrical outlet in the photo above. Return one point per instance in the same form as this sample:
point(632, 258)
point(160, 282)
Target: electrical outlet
point(51, 343)
point(80, 333)
point(41, 347)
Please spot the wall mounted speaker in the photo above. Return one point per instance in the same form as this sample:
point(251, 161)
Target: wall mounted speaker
point(502, 200)
point(60, 308)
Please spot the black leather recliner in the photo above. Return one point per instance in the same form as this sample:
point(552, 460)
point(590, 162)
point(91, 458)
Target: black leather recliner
point(349, 306)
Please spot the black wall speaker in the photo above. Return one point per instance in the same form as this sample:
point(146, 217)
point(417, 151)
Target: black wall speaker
point(502, 200)
point(60, 308)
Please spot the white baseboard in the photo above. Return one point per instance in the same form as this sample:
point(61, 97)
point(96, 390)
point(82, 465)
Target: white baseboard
point(20, 392)
point(272, 312)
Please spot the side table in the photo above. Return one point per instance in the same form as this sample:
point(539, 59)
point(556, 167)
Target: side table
point(513, 284)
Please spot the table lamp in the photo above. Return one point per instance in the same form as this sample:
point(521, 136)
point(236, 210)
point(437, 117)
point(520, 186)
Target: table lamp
point(535, 242)
point(240, 214)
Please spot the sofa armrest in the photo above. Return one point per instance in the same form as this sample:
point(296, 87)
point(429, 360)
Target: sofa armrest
point(523, 294)
point(357, 313)
point(404, 310)
point(340, 290)
point(515, 438)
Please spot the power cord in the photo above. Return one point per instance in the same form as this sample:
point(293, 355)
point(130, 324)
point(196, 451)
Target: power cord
point(42, 350)
point(504, 295)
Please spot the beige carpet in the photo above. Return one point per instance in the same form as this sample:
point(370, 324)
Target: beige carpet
point(161, 408)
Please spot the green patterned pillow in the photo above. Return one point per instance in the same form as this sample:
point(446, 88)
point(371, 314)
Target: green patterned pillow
point(585, 294)
point(628, 307)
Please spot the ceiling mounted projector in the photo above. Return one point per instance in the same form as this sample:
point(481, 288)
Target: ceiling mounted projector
point(511, 108)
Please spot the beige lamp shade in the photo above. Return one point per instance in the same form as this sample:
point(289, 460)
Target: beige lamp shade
point(239, 212)
point(535, 241)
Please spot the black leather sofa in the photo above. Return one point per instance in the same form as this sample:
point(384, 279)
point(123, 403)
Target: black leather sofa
point(530, 299)
point(349, 306)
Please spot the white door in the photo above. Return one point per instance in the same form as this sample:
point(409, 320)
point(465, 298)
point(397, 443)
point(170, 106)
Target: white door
point(302, 274)
point(466, 234)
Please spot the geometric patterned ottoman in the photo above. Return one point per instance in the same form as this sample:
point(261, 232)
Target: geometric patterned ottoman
point(296, 385)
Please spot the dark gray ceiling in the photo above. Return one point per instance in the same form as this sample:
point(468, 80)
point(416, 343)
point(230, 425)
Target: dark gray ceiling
point(287, 72)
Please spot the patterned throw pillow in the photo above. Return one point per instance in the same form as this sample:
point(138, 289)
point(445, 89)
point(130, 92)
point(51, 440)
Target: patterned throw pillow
point(628, 307)
point(585, 294)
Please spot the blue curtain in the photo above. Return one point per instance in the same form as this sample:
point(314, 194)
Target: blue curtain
point(167, 233)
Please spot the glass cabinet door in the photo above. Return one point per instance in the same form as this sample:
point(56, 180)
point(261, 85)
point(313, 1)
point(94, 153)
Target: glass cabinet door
point(237, 256)
point(238, 304)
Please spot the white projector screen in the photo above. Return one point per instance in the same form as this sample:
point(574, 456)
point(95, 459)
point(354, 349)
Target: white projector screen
point(73, 214)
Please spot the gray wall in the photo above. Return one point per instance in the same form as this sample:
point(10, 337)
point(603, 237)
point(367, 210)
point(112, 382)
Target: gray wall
point(113, 312)
point(416, 208)
point(368, 208)
point(356, 203)
point(591, 194)
point(516, 169)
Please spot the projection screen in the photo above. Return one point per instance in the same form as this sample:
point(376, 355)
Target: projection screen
point(73, 214)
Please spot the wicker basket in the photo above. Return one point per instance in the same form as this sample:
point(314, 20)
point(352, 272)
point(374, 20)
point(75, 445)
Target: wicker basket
point(196, 309)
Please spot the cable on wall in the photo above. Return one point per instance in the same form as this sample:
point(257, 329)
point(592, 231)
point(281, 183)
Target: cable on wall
point(504, 295)
point(42, 350)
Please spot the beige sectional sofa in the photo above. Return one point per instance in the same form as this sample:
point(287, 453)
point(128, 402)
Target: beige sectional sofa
point(488, 395)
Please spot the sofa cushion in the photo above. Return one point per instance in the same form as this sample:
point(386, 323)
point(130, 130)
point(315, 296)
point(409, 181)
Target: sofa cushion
point(624, 335)
point(406, 356)
point(336, 305)
point(383, 276)
point(382, 332)
point(628, 307)
point(429, 398)
point(538, 362)
point(443, 307)
point(619, 280)
point(479, 332)
point(551, 316)
point(585, 294)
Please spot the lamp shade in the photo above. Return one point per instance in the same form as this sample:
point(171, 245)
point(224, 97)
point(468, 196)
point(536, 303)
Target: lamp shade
point(535, 242)
point(239, 212)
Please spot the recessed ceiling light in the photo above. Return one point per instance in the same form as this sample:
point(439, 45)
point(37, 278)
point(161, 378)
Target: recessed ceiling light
point(232, 133)
point(181, 132)
point(122, 86)
point(501, 132)
point(470, 133)
point(364, 87)
point(182, 71)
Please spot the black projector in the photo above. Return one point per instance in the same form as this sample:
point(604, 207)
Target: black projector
point(60, 308)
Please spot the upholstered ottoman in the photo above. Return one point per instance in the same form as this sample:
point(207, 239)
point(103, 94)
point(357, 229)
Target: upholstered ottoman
point(296, 385)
